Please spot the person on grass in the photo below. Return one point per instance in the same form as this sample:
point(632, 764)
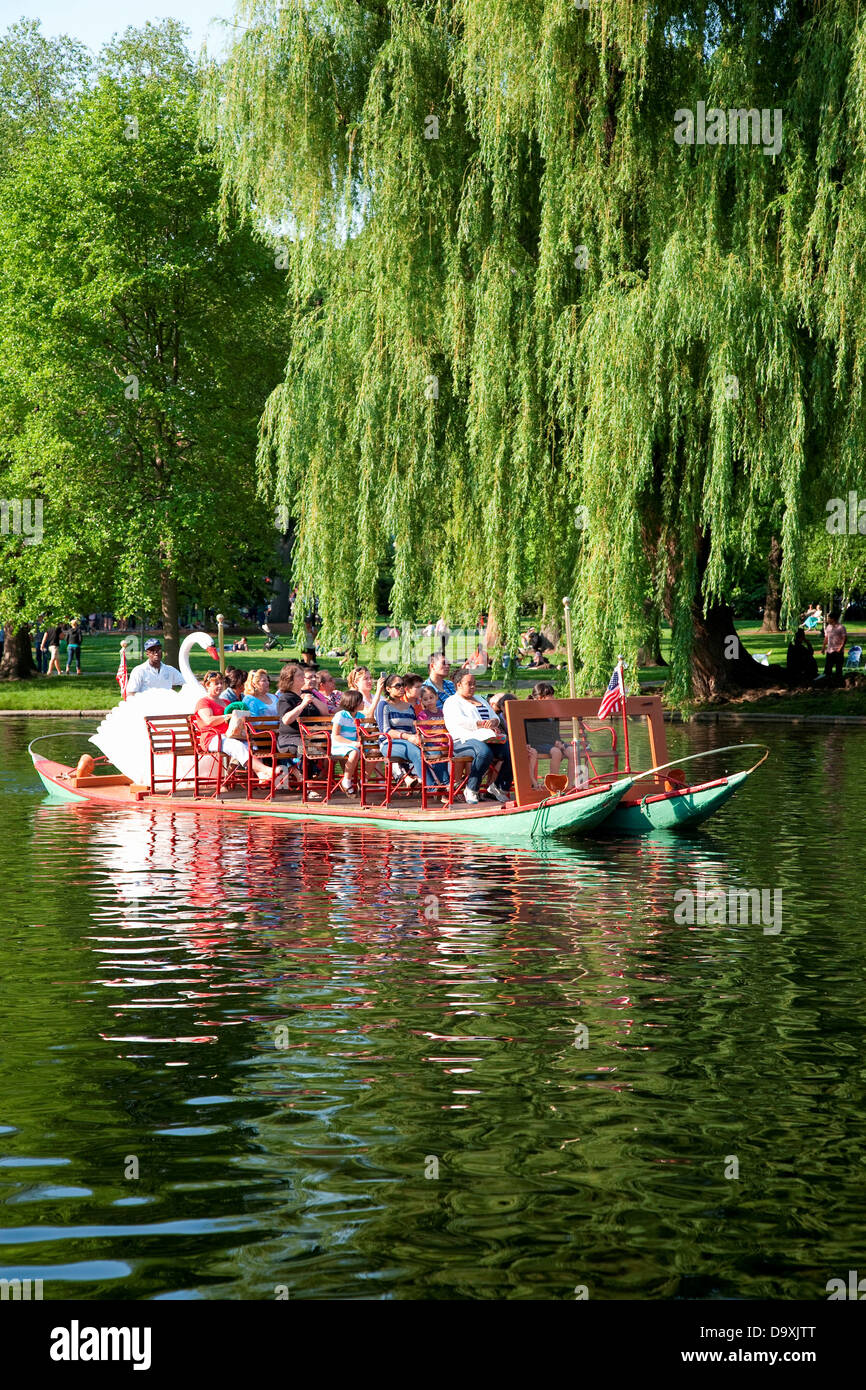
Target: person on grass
point(73, 647)
point(52, 639)
point(477, 734)
point(835, 637)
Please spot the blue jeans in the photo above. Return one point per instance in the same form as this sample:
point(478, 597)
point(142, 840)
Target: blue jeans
point(73, 653)
point(482, 755)
point(411, 753)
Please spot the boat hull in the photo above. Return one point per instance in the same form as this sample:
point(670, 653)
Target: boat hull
point(679, 810)
point(563, 817)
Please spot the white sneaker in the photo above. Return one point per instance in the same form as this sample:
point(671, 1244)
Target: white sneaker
point(497, 792)
point(469, 795)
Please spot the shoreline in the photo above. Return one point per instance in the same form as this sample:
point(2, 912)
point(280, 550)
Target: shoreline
point(670, 716)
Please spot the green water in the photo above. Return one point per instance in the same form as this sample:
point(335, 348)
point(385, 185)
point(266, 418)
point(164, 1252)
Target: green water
point(286, 1030)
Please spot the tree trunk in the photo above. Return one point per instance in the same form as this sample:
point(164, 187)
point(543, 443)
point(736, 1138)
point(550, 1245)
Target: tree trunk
point(720, 663)
point(650, 653)
point(170, 635)
point(17, 663)
point(773, 600)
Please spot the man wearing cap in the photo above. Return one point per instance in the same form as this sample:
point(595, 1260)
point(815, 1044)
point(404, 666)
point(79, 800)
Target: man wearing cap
point(153, 674)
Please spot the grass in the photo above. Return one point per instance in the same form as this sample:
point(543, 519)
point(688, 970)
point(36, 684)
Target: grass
point(97, 688)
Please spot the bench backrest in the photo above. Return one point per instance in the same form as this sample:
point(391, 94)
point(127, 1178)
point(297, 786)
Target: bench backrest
point(170, 733)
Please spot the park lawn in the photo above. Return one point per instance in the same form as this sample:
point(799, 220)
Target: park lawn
point(97, 689)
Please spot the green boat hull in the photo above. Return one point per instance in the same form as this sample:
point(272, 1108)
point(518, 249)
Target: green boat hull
point(562, 817)
point(680, 811)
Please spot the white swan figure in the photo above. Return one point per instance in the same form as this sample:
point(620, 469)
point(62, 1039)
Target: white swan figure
point(122, 735)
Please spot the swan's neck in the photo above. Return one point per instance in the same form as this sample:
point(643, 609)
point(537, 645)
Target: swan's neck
point(183, 660)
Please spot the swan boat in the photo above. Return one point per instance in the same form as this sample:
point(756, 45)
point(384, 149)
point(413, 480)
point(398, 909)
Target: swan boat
point(609, 796)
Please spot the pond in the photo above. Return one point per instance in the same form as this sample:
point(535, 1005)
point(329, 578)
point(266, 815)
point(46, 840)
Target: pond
point(256, 1060)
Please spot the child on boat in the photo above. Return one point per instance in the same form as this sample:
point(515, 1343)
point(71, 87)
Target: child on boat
point(543, 741)
point(344, 737)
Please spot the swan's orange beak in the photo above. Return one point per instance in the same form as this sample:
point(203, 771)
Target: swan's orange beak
point(213, 653)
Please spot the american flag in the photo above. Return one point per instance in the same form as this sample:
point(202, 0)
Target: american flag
point(614, 697)
point(121, 676)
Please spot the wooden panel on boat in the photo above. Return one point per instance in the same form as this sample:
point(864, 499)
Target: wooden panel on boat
point(113, 779)
point(518, 712)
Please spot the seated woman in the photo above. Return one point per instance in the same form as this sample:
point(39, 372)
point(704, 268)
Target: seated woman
point(361, 678)
point(235, 679)
point(293, 704)
point(212, 723)
point(312, 687)
point(397, 718)
point(477, 733)
point(328, 692)
point(257, 697)
point(801, 665)
point(412, 684)
point(344, 738)
point(543, 741)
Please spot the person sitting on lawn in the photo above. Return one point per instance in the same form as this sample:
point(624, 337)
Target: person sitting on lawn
point(344, 738)
point(543, 741)
point(477, 734)
point(802, 668)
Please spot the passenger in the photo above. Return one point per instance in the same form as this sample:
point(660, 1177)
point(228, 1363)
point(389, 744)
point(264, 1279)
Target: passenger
point(397, 718)
point(327, 686)
point(344, 738)
point(428, 707)
point(310, 687)
point(293, 703)
point(257, 697)
point(212, 723)
point(411, 689)
point(497, 702)
point(362, 679)
point(438, 669)
point(477, 733)
point(542, 739)
point(235, 682)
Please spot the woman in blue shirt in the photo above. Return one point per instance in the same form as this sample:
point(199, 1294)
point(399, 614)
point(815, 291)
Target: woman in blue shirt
point(257, 698)
point(397, 718)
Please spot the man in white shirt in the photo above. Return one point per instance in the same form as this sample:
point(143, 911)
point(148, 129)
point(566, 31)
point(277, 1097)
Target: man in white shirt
point(477, 734)
point(152, 674)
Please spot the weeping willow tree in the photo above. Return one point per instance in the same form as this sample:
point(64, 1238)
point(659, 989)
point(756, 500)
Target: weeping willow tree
point(545, 343)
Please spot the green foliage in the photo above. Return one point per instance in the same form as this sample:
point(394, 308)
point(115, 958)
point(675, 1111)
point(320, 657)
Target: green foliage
point(140, 339)
point(703, 372)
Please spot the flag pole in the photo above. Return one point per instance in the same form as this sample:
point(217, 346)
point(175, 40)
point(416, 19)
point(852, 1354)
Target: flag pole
point(569, 656)
point(624, 714)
